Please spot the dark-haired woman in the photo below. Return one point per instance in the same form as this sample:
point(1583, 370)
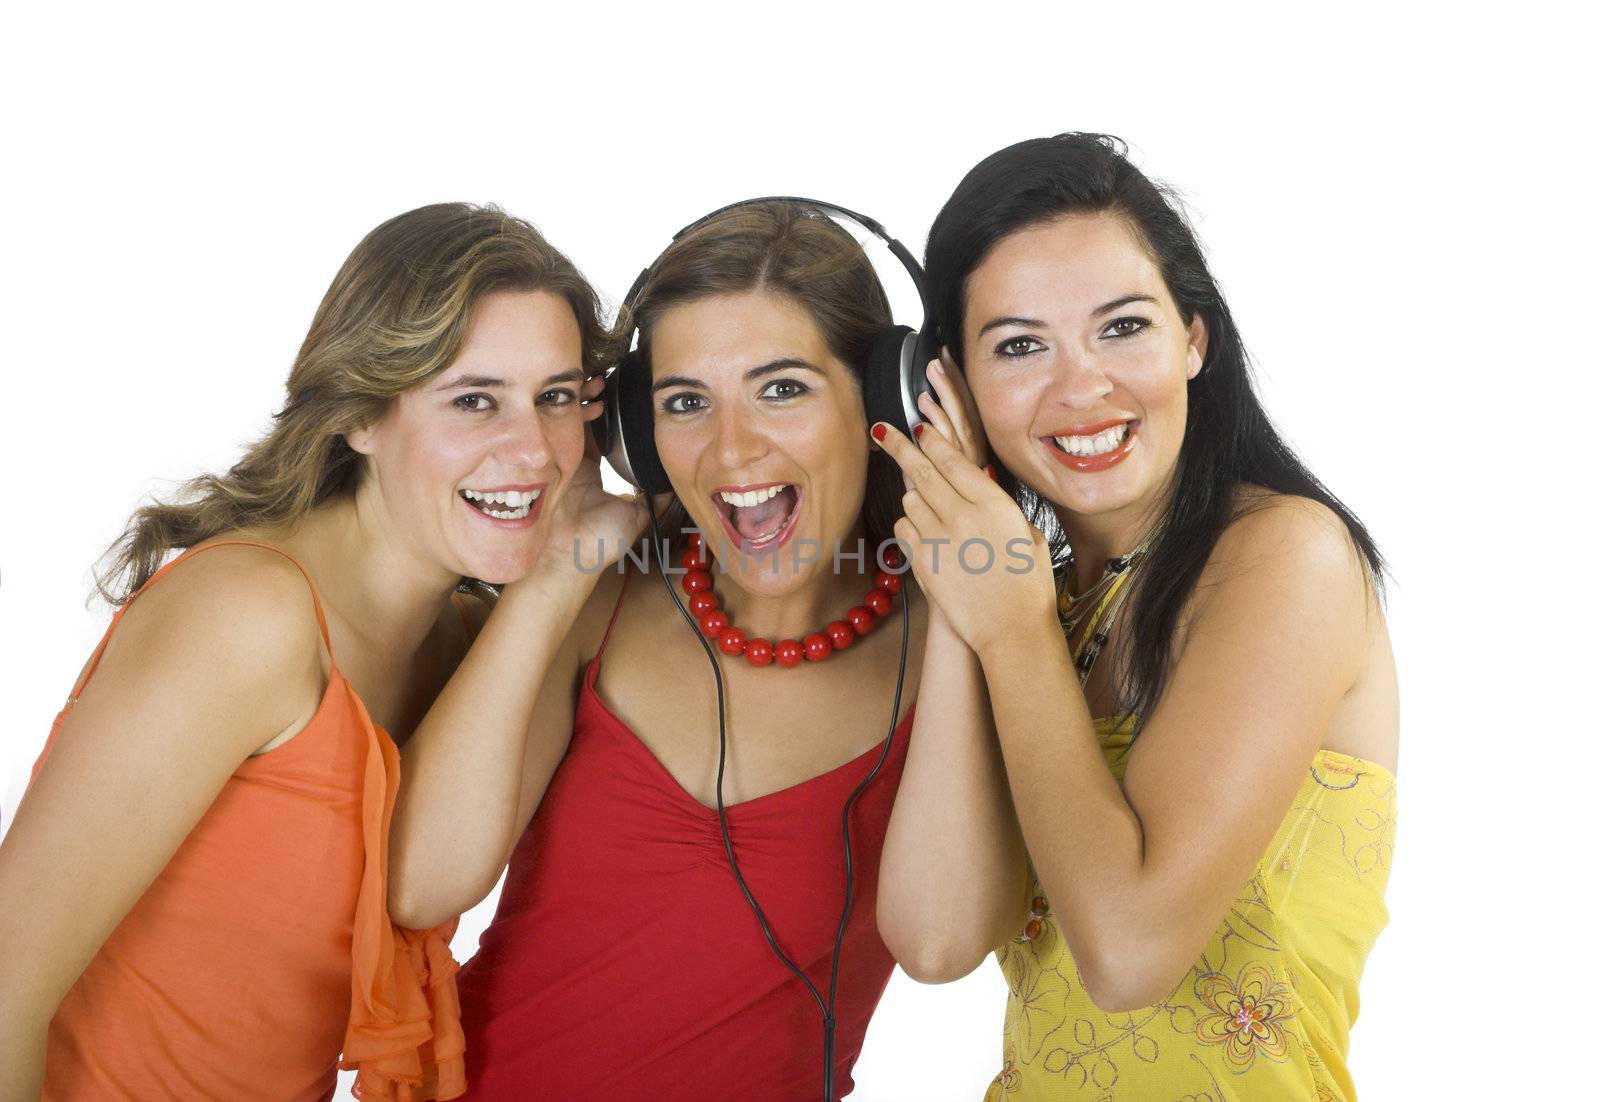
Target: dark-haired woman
point(624, 961)
point(1199, 730)
point(194, 885)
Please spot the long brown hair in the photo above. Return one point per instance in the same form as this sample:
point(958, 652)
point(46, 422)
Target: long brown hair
point(396, 313)
point(790, 249)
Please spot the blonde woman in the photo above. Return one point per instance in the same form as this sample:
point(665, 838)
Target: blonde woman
point(202, 849)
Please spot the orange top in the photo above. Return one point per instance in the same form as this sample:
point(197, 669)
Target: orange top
point(264, 945)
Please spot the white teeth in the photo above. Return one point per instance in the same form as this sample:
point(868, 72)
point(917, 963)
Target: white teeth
point(752, 497)
point(519, 502)
point(514, 498)
point(1098, 444)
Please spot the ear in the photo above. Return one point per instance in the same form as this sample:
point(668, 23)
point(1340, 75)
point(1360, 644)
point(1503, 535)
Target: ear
point(362, 439)
point(1197, 346)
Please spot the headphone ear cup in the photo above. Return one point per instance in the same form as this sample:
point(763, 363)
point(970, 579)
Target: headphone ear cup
point(897, 372)
point(631, 431)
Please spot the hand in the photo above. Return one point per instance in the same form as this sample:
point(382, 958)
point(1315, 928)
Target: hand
point(954, 415)
point(588, 526)
point(992, 588)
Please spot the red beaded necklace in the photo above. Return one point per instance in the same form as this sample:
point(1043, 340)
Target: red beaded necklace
point(838, 635)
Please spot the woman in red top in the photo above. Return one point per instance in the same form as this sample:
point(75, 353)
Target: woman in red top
point(194, 884)
point(624, 961)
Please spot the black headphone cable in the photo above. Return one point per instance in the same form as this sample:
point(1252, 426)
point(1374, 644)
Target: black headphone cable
point(829, 1005)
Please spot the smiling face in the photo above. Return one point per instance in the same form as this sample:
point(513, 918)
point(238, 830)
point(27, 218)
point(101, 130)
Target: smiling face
point(460, 466)
point(762, 432)
point(1079, 361)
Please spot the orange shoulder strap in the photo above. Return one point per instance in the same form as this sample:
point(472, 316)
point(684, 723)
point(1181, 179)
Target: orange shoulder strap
point(316, 601)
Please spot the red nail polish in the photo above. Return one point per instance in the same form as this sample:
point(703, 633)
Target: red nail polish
point(989, 470)
point(879, 431)
point(916, 432)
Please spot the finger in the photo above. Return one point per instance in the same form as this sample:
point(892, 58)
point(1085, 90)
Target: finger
point(589, 396)
point(907, 533)
point(956, 397)
point(918, 513)
point(933, 413)
point(948, 403)
point(959, 473)
point(921, 474)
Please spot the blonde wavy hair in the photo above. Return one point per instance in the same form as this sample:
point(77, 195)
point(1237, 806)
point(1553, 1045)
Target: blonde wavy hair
point(396, 314)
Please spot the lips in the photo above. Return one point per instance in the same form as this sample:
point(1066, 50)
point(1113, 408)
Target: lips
point(1094, 447)
point(759, 517)
point(509, 507)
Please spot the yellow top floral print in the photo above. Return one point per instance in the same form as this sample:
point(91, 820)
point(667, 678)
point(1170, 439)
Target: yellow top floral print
point(1265, 1013)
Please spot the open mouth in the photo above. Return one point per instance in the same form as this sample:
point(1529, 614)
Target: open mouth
point(503, 504)
point(758, 518)
point(1094, 447)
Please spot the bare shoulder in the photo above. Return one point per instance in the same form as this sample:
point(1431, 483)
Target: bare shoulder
point(241, 616)
point(1286, 558)
point(1288, 539)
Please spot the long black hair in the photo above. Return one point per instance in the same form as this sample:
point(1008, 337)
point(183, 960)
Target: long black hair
point(1228, 442)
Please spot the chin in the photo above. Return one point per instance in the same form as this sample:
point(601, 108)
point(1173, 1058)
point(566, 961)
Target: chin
point(767, 577)
point(499, 570)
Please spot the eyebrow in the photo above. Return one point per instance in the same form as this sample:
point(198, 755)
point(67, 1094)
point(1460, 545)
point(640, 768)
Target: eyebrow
point(998, 323)
point(785, 364)
point(1035, 323)
point(1125, 300)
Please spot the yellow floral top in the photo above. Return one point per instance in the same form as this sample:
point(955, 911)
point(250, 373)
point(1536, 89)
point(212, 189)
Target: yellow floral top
point(1265, 1013)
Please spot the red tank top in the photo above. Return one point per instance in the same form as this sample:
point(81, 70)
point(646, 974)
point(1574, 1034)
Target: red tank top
point(624, 963)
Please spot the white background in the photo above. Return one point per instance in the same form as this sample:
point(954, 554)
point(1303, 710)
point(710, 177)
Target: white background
point(1398, 203)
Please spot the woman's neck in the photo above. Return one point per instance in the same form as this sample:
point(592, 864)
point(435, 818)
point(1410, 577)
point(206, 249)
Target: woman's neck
point(824, 595)
point(371, 580)
point(1095, 539)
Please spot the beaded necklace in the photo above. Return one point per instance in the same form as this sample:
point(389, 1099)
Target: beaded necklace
point(1105, 598)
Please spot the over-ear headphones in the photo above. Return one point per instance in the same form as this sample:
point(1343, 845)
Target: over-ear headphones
point(894, 376)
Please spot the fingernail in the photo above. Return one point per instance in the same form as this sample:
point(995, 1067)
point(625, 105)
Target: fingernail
point(879, 431)
point(916, 433)
point(936, 368)
point(989, 470)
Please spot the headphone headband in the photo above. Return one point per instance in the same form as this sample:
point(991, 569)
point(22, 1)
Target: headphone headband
point(872, 225)
point(892, 378)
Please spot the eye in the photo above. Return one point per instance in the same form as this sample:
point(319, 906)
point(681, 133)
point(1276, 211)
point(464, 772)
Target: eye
point(558, 396)
point(1014, 348)
point(1125, 327)
point(782, 389)
point(683, 403)
point(474, 403)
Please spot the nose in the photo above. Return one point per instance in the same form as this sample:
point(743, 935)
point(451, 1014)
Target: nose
point(736, 441)
point(1080, 383)
point(524, 443)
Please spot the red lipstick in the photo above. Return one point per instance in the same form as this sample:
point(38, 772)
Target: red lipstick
point(1090, 464)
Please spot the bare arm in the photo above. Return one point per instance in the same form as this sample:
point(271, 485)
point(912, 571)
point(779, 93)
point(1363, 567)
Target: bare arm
point(211, 664)
point(951, 882)
point(952, 878)
point(484, 751)
point(1139, 874)
point(476, 766)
